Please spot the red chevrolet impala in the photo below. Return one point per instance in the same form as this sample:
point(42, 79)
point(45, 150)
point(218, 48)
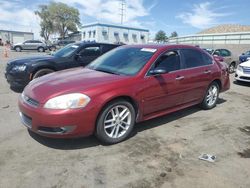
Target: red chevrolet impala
point(129, 84)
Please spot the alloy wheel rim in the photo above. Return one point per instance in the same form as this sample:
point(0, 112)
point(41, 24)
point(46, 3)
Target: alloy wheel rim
point(212, 95)
point(231, 68)
point(117, 121)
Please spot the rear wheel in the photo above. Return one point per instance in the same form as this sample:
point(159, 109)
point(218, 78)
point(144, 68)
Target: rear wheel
point(211, 96)
point(42, 72)
point(115, 122)
point(18, 49)
point(232, 67)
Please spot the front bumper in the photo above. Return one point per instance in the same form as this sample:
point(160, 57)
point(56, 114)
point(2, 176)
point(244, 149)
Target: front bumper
point(17, 79)
point(241, 76)
point(57, 123)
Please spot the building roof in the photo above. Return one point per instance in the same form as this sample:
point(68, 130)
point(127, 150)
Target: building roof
point(226, 28)
point(115, 26)
point(20, 32)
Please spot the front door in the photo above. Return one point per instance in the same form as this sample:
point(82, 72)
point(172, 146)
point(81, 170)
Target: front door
point(162, 92)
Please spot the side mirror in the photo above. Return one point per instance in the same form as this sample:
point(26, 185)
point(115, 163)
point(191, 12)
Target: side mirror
point(158, 71)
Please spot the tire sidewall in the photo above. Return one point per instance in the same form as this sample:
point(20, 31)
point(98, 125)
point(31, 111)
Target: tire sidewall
point(40, 49)
point(204, 102)
point(100, 132)
point(36, 75)
point(18, 49)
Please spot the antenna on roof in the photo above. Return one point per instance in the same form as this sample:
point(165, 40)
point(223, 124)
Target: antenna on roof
point(122, 9)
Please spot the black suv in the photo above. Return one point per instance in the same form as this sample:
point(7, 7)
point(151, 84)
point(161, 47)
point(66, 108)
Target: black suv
point(20, 72)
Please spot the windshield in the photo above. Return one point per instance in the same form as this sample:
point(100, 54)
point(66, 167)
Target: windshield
point(67, 50)
point(124, 61)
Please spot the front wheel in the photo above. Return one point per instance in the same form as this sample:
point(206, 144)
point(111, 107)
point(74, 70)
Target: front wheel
point(211, 97)
point(42, 72)
point(40, 49)
point(115, 122)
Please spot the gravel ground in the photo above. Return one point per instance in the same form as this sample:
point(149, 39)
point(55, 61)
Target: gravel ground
point(162, 152)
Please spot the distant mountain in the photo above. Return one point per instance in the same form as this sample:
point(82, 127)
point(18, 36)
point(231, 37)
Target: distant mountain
point(226, 28)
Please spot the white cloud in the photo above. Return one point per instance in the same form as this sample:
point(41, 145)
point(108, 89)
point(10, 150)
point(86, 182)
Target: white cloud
point(201, 16)
point(17, 18)
point(110, 10)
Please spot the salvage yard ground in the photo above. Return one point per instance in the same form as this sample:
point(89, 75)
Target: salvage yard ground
point(162, 152)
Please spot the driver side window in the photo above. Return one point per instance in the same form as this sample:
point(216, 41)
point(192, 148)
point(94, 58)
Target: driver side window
point(170, 61)
point(90, 51)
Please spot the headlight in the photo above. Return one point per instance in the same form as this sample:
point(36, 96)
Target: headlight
point(239, 68)
point(68, 101)
point(19, 68)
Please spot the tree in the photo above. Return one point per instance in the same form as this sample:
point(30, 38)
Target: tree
point(161, 36)
point(57, 18)
point(174, 34)
point(65, 18)
point(46, 23)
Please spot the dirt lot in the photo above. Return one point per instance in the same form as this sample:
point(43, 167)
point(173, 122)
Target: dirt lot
point(161, 153)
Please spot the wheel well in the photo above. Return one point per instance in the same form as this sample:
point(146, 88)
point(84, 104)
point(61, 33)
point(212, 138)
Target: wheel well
point(40, 68)
point(17, 47)
point(126, 98)
point(219, 83)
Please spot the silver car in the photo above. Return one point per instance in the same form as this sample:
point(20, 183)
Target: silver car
point(30, 45)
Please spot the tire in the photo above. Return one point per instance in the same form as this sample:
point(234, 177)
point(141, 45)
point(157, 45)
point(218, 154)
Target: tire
point(231, 68)
point(116, 129)
point(41, 49)
point(42, 72)
point(18, 49)
point(211, 97)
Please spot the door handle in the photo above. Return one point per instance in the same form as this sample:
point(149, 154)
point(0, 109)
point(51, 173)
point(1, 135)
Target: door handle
point(179, 78)
point(207, 71)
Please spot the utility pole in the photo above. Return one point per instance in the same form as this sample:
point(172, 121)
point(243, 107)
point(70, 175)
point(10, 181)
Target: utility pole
point(122, 9)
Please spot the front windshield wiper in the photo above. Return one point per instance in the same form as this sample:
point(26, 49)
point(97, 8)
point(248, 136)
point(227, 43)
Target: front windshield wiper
point(107, 71)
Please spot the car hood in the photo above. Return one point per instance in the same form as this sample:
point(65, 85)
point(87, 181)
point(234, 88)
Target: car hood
point(69, 81)
point(32, 59)
point(245, 64)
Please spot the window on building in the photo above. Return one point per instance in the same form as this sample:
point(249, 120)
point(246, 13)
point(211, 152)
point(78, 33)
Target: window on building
point(94, 33)
point(89, 34)
point(84, 34)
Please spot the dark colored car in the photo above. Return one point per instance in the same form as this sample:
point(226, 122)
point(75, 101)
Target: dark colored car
point(20, 72)
point(244, 57)
point(129, 84)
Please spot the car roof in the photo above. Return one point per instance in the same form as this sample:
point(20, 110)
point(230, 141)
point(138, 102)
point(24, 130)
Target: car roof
point(90, 43)
point(161, 46)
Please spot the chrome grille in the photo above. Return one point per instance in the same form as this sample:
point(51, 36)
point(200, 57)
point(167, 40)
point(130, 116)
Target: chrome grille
point(30, 101)
point(246, 70)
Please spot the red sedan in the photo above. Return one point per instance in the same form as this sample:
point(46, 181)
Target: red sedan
point(129, 84)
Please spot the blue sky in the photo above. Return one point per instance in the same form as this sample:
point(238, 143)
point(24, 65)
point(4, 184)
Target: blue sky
point(184, 16)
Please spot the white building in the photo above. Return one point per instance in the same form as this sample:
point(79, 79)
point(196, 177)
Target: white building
point(108, 33)
point(15, 36)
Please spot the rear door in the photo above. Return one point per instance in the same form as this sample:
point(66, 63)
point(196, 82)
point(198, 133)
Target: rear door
point(27, 45)
point(197, 74)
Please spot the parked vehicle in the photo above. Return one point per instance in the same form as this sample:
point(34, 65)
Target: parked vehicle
point(231, 60)
point(30, 45)
point(217, 57)
point(129, 84)
point(20, 72)
point(243, 72)
point(244, 57)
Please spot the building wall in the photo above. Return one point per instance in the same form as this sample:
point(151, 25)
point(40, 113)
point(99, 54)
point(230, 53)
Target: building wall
point(109, 34)
point(15, 37)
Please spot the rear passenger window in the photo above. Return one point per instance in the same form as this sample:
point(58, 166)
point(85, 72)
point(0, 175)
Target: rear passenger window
point(91, 51)
point(170, 61)
point(192, 58)
point(207, 60)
